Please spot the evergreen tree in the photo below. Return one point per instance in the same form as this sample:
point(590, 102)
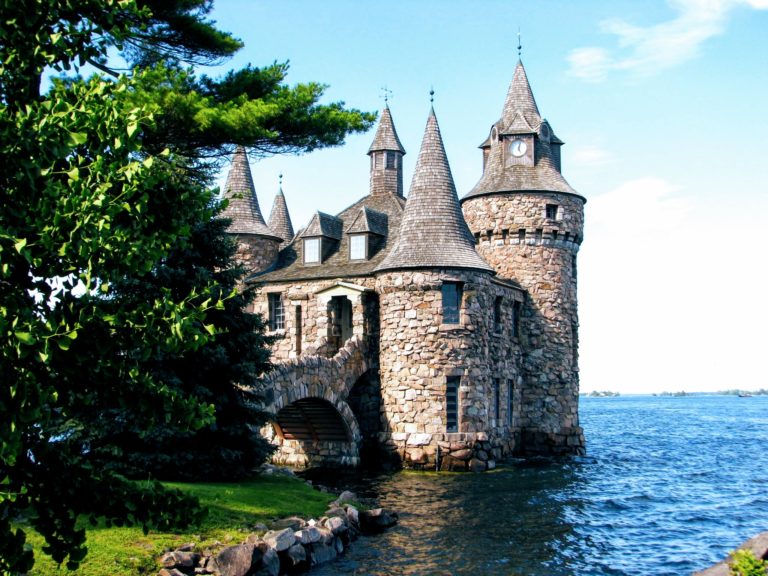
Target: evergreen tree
point(105, 207)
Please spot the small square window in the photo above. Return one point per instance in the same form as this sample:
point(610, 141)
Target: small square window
point(451, 302)
point(311, 250)
point(276, 312)
point(357, 247)
point(551, 211)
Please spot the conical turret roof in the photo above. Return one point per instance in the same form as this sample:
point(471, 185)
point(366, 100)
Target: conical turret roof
point(386, 135)
point(243, 207)
point(433, 232)
point(520, 115)
point(280, 219)
point(520, 102)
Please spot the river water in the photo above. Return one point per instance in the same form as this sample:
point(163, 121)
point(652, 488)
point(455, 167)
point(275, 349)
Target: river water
point(669, 486)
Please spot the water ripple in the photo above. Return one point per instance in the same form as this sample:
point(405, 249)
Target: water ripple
point(670, 485)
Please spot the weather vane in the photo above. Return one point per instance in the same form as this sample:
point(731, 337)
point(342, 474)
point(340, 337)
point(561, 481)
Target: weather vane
point(519, 44)
point(387, 94)
point(280, 176)
point(431, 94)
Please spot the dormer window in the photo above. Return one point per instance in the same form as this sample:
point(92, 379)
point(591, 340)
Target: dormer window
point(312, 250)
point(358, 247)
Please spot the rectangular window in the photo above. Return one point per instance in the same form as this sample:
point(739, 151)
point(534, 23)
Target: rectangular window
point(573, 266)
point(357, 245)
point(551, 211)
point(311, 250)
point(521, 234)
point(516, 309)
point(451, 303)
point(496, 401)
point(477, 237)
point(452, 404)
point(391, 160)
point(510, 401)
point(298, 324)
point(497, 314)
point(504, 235)
point(276, 312)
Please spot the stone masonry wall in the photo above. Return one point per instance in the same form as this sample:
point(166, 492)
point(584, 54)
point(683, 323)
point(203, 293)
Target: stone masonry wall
point(255, 253)
point(417, 355)
point(522, 242)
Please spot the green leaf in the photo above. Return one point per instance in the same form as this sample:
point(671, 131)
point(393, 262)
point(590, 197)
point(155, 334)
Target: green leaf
point(74, 174)
point(77, 138)
point(20, 244)
point(25, 338)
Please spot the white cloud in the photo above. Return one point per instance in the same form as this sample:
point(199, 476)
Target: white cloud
point(589, 155)
point(649, 49)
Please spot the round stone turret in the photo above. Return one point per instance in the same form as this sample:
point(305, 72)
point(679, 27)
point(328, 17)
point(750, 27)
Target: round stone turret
point(257, 244)
point(528, 224)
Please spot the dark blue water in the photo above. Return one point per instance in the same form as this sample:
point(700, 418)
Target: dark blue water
point(670, 486)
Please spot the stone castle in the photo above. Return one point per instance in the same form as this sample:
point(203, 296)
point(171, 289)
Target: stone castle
point(433, 330)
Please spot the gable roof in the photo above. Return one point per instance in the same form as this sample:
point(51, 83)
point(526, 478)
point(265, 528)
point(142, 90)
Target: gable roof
point(323, 224)
point(369, 220)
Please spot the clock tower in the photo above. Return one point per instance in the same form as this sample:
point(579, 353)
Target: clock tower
point(528, 224)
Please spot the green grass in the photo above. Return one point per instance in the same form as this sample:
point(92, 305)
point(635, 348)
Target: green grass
point(233, 511)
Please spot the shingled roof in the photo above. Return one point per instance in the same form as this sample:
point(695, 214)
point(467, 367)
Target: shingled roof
point(386, 209)
point(369, 220)
point(520, 115)
point(243, 207)
point(323, 224)
point(433, 232)
point(386, 135)
point(280, 219)
point(520, 102)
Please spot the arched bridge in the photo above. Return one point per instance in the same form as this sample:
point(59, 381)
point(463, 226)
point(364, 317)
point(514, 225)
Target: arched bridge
point(314, 423)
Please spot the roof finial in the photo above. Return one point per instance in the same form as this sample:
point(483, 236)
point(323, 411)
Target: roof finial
point(280, 177)
point(519, 44)
point(387, 94)
point(431, 95)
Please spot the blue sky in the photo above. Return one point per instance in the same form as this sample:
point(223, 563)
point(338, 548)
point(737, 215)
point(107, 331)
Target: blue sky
point(662, 105)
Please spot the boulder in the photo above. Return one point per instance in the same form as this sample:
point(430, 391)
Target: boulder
point(346, 496)
point(170, 572)
point(270, 562)
point(280, 539)
point(377, 520)
point(337, 525)
point(326, 536)
point(462, 454)
point(294, 523)
point(307, 535)
point(322, 553)
point(353, 515)
point(237, 560)
point(296, 554)
point(477, 465)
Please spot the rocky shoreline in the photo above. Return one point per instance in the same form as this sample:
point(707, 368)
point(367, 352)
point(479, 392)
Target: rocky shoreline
point(287, 546)
point(757, 545)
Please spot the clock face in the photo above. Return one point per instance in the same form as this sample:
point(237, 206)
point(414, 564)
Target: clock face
point(518, 148)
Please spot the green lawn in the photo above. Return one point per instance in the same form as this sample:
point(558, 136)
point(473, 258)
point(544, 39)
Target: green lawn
point(234, 509)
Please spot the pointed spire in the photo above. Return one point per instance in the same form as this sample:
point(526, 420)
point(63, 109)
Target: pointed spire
point(520, 119)
point(520, 101)
point(433, 232)
point(243, 207)
point(279, 218)
point(386, 136)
